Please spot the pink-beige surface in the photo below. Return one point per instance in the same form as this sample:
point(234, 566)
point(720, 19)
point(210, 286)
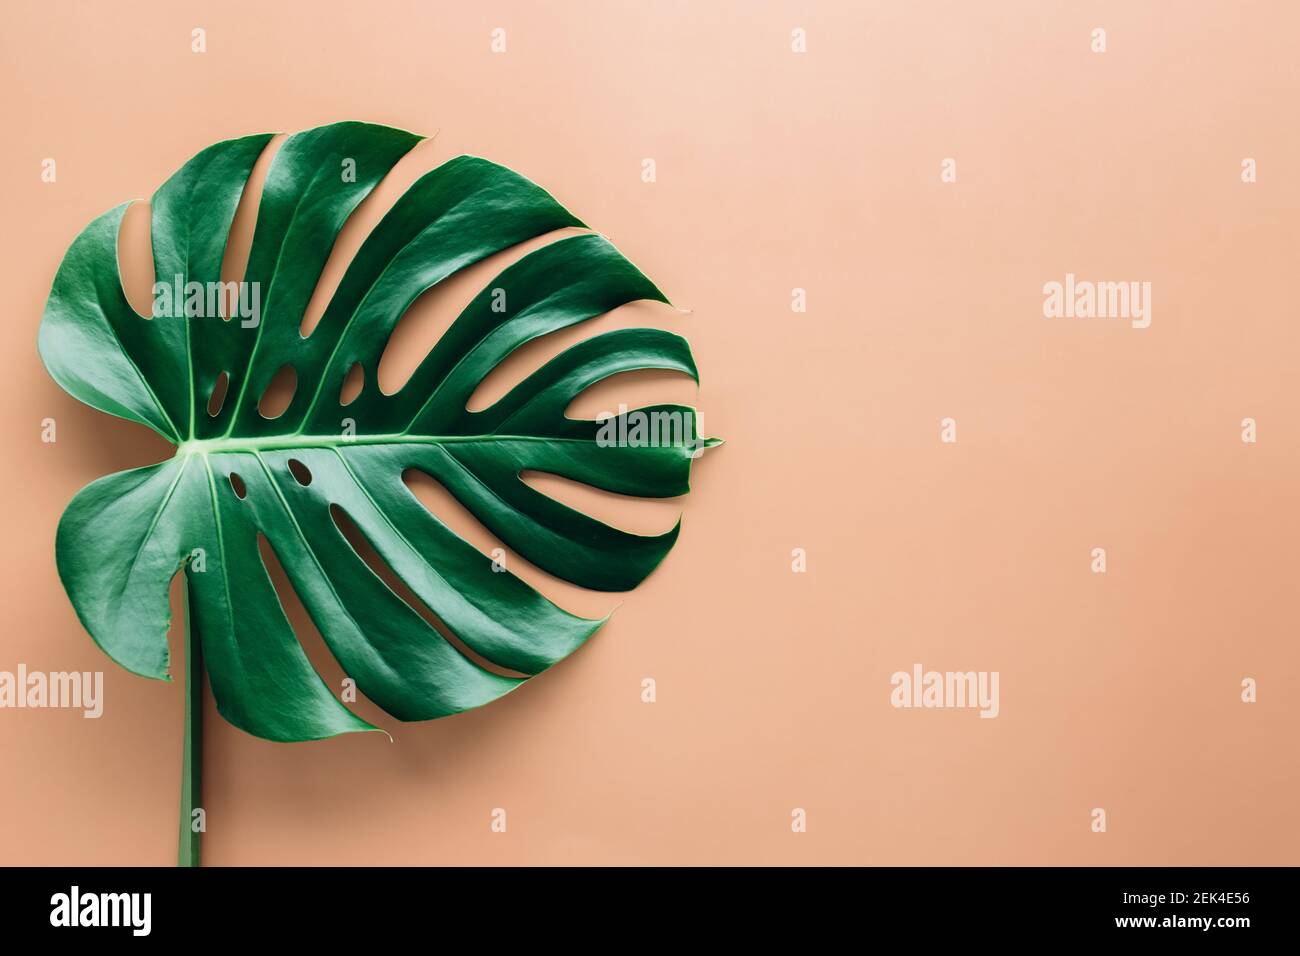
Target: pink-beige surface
point(775, 171)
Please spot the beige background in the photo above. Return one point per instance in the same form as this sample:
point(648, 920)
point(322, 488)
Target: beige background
point(775, 171)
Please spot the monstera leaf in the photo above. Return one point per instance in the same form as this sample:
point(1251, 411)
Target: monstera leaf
point(236, 475)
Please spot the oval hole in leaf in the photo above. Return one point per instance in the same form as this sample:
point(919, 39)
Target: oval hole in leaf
point(218, 396)
point(237, 483)
point(352, 384)
point(301, 473)
point(279, 392)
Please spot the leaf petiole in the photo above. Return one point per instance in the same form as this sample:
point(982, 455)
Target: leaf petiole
point(192, 753)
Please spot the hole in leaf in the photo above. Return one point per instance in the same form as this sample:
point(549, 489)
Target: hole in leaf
point(532, 355)
point(636, 389)
point(628, 513)
point(361, 223)
point(218, 396)
point(430, 315)
point(309, 637)
point(279, 392)
point(135, 258)
point(352, 384)
point(442, 504)
point(301, 473)
point(237, 483)
point(367, 553)
point(239, 242)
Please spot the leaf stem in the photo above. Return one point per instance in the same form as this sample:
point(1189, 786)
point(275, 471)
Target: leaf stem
point(192, 755)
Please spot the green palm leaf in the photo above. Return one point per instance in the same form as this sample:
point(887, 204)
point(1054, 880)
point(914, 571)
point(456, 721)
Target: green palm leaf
point(237, 475)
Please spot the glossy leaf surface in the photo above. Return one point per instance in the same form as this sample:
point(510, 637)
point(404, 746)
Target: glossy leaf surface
point(238, 476)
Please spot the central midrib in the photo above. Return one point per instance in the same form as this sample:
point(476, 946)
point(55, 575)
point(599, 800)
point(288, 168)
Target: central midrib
point(286, 442)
